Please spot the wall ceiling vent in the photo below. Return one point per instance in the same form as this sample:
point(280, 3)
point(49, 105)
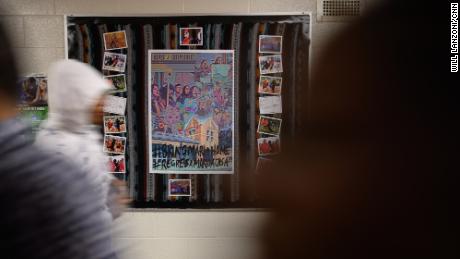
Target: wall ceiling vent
point(339, 10)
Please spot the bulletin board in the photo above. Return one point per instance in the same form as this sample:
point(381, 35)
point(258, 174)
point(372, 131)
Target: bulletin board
point(191, 152)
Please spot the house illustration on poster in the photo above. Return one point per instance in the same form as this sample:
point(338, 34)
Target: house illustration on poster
point(204, 131)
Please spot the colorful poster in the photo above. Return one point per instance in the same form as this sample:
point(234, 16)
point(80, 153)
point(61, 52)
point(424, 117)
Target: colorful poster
point(33, 91)
point(191, 111)
point(33, 101)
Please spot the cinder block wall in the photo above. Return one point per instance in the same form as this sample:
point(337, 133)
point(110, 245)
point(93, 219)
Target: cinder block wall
point(37, 26)
point(37, 31)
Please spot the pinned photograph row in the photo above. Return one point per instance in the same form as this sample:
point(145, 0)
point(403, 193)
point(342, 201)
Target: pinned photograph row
point(114, 62)
point(115, 40)
point(268, 146)
point(269, 126)
point(270, 105)
point(270, 64)
point(114, 145)
point(118, 83)
point(191, 36)
point(180, 187)
point(270, 85)
point(270, 44)
point(116, 164)
point(114, 124)
point(115, 105)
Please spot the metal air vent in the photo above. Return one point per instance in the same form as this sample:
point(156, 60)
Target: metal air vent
point(339, 10)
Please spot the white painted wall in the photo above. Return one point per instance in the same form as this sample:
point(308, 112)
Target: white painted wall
point(189, 234)
point(37, 31)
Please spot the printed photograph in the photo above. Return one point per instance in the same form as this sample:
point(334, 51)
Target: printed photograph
point(116, 164)
point(191, 111)
point(191, 36)
point(270, 105)
point(270, 44)
point(114, 124)
point(268, 146)
point(270, 85)
point(115, 40)
point(33, 91)
point(114, 62)
point(118, 83)
point(270, 64)
point(180, 187)
point(269, 126)
point(114, 145)
point(115, 105)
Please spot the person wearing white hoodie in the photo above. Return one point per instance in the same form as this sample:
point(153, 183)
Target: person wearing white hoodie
point(76, 93)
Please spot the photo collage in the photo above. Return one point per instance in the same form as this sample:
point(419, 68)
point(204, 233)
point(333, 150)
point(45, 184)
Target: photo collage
point(270, 101)
point(114, 121)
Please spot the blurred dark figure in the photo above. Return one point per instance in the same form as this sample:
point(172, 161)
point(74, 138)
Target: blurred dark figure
point(379, 134)
point(48, 209)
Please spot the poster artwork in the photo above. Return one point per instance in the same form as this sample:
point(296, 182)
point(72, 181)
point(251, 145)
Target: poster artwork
point(191, 110)
point(33, 101)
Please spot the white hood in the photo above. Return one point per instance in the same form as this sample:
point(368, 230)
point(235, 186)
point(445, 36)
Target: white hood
point(73, 90)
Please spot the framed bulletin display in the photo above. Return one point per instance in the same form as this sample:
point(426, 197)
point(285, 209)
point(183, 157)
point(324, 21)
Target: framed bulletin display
point(207, 100)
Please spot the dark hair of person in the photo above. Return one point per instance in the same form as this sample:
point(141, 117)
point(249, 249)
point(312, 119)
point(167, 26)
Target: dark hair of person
point(8, 70)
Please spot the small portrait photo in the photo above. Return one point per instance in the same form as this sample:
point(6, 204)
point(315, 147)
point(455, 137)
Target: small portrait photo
point(268, 146)
point(114, 62)
point(191, 36)
point(270, 85)
point(114, 124)
point(118, 82)
point(116, 164)
point(270, 44)
point(115, 40)
point(269, 126)
point(270, 64)
point(33, 91)
point(114, 145)
point(180, 187)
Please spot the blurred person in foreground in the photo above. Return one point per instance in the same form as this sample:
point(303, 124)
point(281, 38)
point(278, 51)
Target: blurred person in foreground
point(76, 98)
point(380, 132)
point(49, 208)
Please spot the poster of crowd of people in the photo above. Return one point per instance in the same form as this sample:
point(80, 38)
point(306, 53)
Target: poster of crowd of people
point(191, 111)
